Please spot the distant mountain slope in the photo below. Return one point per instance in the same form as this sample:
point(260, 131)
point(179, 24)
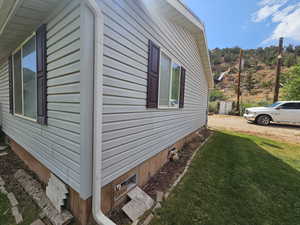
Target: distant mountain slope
point(258, 76)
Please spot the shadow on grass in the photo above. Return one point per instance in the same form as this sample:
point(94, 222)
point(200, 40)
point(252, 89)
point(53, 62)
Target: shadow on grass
point(234, 181)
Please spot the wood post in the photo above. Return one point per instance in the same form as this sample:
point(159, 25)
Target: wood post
point(278, 71)
point(239, 82)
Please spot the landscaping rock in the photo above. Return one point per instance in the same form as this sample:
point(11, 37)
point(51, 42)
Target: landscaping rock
point(2, 183)
point(3, 190)
point(157, 206)
point(17, 215)
point(3, 154)
point(3, 147)
point(166, 195)
point(34, 189)
point(12, 199)
point(135, 222)
point(38, 222)
point(159, 196)
point(148, 219)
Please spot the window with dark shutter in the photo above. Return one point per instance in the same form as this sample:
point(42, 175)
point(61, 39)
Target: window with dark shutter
point(41, 75)
point(153, 75)
point(11, 88)
point(182, 88)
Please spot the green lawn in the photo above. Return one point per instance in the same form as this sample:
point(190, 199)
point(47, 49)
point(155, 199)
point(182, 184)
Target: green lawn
point(5, 211)
point(28, 209)
point(238, 179)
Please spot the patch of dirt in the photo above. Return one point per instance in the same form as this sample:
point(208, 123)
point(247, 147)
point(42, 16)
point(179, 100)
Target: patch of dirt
point(282, 132)
point(165, 178)
point(9, 165)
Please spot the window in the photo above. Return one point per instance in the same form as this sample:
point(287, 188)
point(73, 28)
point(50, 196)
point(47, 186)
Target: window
point(169, 82)
point(24, 80)
point(290, 106)
point(165, 80)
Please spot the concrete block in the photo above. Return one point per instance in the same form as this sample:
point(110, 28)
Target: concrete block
point(12, 199)
point(139, 204)
point(138, 194)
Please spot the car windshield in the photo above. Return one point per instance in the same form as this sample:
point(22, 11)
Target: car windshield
point(274, 105)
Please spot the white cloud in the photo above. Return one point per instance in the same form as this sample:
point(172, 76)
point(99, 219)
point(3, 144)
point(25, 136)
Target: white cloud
point(286, 16)
point(265, 12)
point(289, 27)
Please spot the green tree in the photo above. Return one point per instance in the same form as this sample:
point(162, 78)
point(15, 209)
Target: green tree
point(216, 95)
point(290, 60)
point(291, 87)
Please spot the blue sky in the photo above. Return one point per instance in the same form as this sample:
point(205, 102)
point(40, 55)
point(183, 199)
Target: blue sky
point(248, 23)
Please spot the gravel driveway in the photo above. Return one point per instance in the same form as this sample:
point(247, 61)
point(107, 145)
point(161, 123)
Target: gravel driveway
point(283, 132)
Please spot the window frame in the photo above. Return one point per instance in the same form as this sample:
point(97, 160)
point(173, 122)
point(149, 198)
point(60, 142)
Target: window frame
point(20, 47)
point(173, 61)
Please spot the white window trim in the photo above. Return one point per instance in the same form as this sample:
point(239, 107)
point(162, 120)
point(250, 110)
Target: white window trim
point(173, 61)
point(20, 47)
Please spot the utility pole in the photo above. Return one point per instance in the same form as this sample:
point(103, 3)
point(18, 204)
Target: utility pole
point(239, 82)
point(278, 70)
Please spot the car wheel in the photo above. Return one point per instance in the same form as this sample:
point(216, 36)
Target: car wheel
point(263, 120)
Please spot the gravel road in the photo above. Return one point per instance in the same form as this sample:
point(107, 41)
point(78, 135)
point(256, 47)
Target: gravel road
point(283, 132)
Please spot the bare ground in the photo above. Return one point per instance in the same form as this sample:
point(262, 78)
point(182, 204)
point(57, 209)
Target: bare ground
point(282, 132)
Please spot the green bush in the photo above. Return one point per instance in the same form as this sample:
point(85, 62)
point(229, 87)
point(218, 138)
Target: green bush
point(216, 95)
point(213, 107)
point(291, 89)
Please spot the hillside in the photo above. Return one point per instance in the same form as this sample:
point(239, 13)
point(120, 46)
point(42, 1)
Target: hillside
point(258, 76)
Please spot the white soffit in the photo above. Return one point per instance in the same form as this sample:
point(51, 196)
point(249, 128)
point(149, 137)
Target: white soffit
point(180, 14)
point(19, 19)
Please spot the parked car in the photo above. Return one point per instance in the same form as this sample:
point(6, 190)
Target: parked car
point(284, 111)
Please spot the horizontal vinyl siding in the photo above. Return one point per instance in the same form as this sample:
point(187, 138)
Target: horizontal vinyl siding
point(131, 132)
point(56, 145)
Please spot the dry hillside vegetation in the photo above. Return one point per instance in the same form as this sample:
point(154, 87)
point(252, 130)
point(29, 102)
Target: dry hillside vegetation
point(258, 76)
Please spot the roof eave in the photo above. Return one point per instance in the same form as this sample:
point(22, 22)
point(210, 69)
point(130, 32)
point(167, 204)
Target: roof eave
point(197, 28)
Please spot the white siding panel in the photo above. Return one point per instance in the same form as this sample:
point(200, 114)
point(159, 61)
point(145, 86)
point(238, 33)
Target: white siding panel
point(131, 132)
point(56, 145)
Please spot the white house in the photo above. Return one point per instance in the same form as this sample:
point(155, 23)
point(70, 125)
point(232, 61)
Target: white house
point(96, 92)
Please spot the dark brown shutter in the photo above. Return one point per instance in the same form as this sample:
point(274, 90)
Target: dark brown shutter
point(11, 85)
point(153, 75)
point(182, 88)
point(41, 74)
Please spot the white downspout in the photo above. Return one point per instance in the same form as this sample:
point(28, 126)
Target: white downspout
point(99, 216)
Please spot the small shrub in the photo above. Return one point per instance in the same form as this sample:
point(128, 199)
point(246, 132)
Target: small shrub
point(213, 107)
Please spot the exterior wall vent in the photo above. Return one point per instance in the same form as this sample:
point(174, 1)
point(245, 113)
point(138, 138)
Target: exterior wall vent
point(121, 189)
